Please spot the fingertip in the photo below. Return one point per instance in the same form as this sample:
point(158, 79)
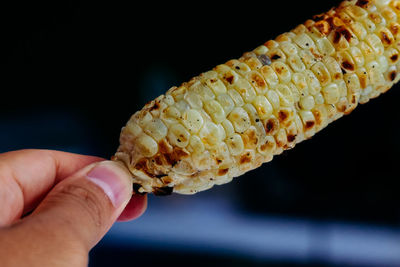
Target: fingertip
point(136, 206)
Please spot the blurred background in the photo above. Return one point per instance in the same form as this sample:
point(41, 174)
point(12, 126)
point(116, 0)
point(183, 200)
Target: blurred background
point(72, 73)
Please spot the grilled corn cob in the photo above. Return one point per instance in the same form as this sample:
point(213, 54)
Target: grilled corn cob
point(237, 116)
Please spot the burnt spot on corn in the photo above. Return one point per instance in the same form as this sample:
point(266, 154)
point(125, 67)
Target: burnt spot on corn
point(309, 124)
point(219, 161)
point(394, 28)
point(282, 115)
point(275, 57)
point(163, 191)
point(136, 188)
point(291, 138)
point(245, 158)
point(392, 76)
point(363, 3)
point(323, 27)
point(385, 39)
point(164, 147)
point(258, 81)
point(155, 106)
point(222, 172)
point(394, 58)
point(250, 139)
point(271, 126)
point(346, 65)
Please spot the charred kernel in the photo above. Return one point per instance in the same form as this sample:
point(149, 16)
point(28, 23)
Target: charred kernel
point(222, 172)
point(392, 75)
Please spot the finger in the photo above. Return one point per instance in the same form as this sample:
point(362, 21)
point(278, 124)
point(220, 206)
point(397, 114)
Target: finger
point(135, 207)
point(27, 175)
point(84, 206)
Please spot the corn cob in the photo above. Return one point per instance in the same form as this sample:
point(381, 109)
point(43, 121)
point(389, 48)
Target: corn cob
point(237, 116)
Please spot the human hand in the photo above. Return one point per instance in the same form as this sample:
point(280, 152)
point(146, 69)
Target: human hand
point(67, 203)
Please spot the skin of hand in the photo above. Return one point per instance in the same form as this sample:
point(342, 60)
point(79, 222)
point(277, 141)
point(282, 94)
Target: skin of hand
point(56, 206)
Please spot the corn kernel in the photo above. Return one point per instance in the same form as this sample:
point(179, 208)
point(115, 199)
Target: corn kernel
point(258, 82)
point(263, 107)
point(239, 119)
point(273, 98)
point(192, 120)
point(156, 129)
point(331, 93)
point(235, 144)
point(270, 76)
point(307, 102)
point(282, 70)
point(237, 99)
point(146, 145)
point(178, 135)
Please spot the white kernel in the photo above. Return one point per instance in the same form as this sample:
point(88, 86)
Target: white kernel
point(333, 68)
point(267, 147)
point(263, 107)
point(227, 74)
point(304, 41)
point(214, 110)
point(193, 99)
point(261, 50)
point(282, 70)
point(196, 144)
point(239, 119)
point(296, 63)
point(178, 135)
point(173, 112)
point(192, 120)
point(299, 80)
point(156, 129)
point(228, 127)
point(182, 105)
point(322, 73)
point(357, 56)
point(216, 85)
point(285, 95)
point(325, 46)
point(307, 102)
point(331, 93)
point(146, 145)
point(319, 99)
point(273, 98)
point(270, 76)
point(376, 44)
point(226, 102)
point(257, 81)
point(252, 112)
point(235, 144)
point(210, 135)
point(342, 88)
point(133, 128)
point(237, 99)
point(312, 81)
point(245, 90)
point(288, 48)
point(203, 91)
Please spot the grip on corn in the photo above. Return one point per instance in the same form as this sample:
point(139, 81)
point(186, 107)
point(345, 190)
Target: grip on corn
point(237, 116)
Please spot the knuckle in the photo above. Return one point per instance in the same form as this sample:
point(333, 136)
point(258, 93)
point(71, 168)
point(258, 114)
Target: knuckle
point(87, 199)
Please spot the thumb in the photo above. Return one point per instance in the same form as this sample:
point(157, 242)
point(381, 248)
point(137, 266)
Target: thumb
point(84, 206)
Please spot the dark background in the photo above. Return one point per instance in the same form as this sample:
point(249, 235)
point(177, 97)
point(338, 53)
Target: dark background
point(72, 73)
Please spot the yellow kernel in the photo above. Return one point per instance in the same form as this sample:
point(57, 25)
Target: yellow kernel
point(192, 120)
point(261, 50)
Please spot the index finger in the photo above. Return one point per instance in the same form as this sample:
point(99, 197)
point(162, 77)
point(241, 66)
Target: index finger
point(27, 175)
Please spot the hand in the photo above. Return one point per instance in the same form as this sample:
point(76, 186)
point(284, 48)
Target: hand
point(67, 203)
